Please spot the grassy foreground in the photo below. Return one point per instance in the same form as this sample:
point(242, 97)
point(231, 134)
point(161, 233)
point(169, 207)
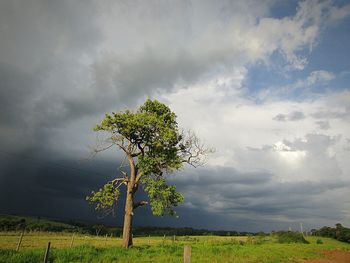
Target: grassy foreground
point(158, 249)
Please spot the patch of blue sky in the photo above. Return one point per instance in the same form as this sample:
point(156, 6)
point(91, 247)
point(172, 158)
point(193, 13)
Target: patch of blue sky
point(331, 54)
point(282, 9)
point(271, 75)
point(333, 50)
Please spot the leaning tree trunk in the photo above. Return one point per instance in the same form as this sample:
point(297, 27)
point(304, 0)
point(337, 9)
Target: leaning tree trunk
point(128, 216)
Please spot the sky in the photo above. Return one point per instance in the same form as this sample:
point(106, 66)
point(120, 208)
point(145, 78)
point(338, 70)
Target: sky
point(266, 83)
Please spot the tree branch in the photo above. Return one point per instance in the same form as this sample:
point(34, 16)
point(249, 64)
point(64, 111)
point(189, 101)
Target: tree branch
point(141, 203)
point(99, 148)
point(116, 180)
point(122, 147)
point(192, 150)
point(135, 154)
point(138, 177)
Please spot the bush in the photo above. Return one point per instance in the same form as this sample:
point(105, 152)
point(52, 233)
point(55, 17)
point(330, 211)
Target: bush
point(319, 241)
point(290, 237)
point(340, 232)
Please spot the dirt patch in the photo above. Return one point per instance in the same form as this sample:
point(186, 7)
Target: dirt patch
point(332, 256)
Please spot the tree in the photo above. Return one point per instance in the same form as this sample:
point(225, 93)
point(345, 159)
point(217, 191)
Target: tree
point(153, 146)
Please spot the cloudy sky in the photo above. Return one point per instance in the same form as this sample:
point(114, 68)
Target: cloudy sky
point(264, 82)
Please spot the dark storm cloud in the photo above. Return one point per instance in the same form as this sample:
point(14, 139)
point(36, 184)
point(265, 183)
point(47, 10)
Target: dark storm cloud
point(47, 184)
point(41, 42)
point(69, 75)
point(13, 104)
point(271, 197)
point(51, 78)
point(63, 64)
point(146, 73)
point(259, 195)
point(41, 47)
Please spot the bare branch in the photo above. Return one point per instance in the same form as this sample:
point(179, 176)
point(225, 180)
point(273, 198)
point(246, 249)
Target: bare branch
point(140, 203)
point(192, 150)
point(99, 148)
point(116, 180)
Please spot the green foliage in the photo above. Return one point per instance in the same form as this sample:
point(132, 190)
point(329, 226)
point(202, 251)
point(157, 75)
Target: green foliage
point(163, 197)
point(319, 241)
point(105, 198)
point(150, 135)
point(290, 237)
point(153, 128)
point(340, 232)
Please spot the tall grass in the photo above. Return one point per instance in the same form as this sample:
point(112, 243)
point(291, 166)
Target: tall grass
point(204, 249)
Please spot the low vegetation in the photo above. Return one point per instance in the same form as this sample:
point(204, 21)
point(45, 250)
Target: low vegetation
point(79, 242)
point(290, 237)
point(340, 232)
point(87, 248)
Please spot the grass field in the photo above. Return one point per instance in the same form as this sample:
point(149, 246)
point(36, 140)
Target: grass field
point(158, 249)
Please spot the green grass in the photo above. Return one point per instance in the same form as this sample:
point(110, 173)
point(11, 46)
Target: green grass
point(157, 249)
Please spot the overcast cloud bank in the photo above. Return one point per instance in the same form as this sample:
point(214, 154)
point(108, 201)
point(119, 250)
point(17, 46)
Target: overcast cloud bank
point(282, 149)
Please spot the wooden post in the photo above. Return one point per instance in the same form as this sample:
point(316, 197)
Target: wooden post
point(106, 240)
point(19, 241)
point(46, 257)
point(174, 239)
point(163, 240)
point(71, 242)
point(187, 254)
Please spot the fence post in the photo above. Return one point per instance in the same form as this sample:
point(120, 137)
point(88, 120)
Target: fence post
point(19, 241)
point(187, 254)
point(46, 257)
point(72, 240)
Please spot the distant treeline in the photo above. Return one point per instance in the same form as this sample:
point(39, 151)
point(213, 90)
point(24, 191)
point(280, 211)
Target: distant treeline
point(19, 223)
point(188, 231)
point(339, 232)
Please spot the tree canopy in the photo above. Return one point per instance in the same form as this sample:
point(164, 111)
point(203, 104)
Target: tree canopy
point(154, 146)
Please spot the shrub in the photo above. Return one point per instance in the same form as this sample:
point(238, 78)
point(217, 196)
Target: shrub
point(319, 241)
point(340, 232)
point(290, 237)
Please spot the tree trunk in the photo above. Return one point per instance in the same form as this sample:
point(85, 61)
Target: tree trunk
point(128, 216)
point(129, 205)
